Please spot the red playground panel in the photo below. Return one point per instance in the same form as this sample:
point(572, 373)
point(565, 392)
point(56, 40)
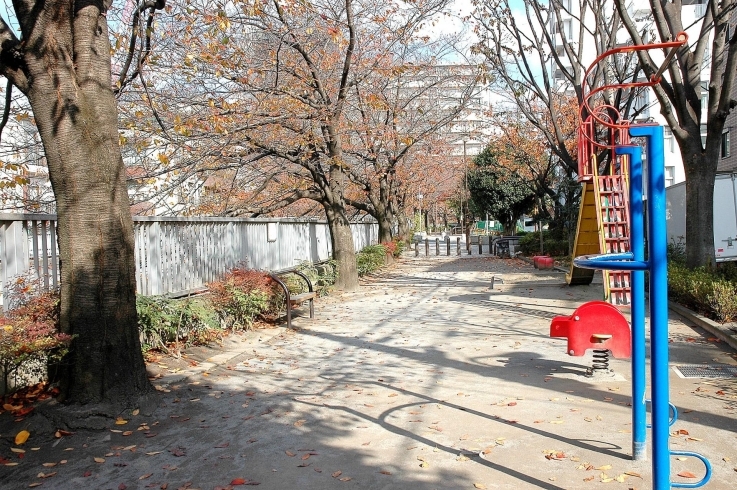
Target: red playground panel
point(594, 325)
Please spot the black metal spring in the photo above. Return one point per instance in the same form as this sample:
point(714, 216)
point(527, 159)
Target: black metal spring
point(601, 359)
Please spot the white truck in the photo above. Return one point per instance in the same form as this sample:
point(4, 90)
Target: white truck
point(725, 215)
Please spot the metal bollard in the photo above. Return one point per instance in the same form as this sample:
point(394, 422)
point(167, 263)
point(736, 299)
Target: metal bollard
point(417, 249)
point(437, 246)
point(427, 247)
point(458, 245)
point(480, 244)
point(447, 245)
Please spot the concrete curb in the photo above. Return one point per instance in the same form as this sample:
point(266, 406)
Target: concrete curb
point(714, 328)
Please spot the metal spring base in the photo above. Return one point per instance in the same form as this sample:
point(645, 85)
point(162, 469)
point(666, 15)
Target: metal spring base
point(601, 360)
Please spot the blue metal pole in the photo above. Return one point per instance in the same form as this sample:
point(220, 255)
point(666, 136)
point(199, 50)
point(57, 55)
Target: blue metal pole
point(657, 248)
point(637, 312)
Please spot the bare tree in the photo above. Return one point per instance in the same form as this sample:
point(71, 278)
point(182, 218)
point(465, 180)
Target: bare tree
point(680, 96)
point(536, 61)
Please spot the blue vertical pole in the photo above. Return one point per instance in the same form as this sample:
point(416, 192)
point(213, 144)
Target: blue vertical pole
point(637, 312)
point(657, 248)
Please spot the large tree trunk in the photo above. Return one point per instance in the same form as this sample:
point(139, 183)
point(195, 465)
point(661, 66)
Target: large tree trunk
point(403, 228)
point(67, 58)
point(700, 175)
point(385, 228)
point(344, 251)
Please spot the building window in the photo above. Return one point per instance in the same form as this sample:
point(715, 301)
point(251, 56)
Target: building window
point(704, 96)
point(669, 139)
point(566, 30)
point(670, 176)
point(700, 9)
point(725, 144)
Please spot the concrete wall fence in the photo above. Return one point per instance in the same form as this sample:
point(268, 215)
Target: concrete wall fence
point(176, 255)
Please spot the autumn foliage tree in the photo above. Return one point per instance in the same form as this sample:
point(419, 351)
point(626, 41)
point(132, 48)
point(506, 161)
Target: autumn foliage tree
point(259, 91)
point(401, 118)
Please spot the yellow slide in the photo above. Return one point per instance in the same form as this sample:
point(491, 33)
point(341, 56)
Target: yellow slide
point(587, 236)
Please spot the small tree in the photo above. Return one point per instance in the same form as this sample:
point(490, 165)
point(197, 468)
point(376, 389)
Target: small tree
point(499, 191)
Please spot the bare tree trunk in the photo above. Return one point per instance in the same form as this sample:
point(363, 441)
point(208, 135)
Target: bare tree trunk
point(343, 248)
point(66, 76)
point(699, 204)
point(385, 228)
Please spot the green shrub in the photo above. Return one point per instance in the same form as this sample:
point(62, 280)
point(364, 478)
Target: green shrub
point(727, 271)
point(399, 246)
point(552, 244)
point(723, 301)
point(370, 259)
point(322, 276)
point(677, 250)
point(241, 296)
point(703, 290)
point(164, 321)
point(29, 334)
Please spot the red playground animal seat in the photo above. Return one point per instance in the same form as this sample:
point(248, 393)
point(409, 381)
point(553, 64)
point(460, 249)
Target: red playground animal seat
point(594, 325)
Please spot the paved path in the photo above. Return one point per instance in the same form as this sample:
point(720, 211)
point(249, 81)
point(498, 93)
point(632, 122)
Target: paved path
point(425, 379)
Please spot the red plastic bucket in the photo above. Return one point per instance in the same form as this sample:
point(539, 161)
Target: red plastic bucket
point(535, 260)
point(545, 263)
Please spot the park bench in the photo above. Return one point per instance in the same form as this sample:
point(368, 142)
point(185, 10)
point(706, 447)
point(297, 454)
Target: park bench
point(295, 300)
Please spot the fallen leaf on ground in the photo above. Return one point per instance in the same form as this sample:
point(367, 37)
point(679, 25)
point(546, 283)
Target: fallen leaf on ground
point(99, 460)
point(336, 474)
point(686, 474)
point(21, 437)
point(290, 453)
point(481, 486)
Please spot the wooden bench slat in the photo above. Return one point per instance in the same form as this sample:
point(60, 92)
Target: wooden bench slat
point(302, 297)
